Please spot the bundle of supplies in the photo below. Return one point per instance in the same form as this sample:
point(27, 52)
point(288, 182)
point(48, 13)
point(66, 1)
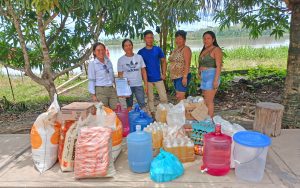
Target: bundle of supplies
point(44, 137)
point(156, 130)
point(183, 148)
point(161, 112)
point(68, 134)
point(195, 108)
point(165, 167)
point(93, 156)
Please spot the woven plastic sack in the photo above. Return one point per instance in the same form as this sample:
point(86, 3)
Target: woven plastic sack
point(44, 137)
point(106, 117)
point(67, 143)
point(165, 167)
point(93, 156)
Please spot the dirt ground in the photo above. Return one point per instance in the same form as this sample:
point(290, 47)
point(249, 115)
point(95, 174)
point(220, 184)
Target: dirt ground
point(236, 104)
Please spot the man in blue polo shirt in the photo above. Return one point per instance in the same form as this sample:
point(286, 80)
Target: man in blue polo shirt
point(156, 67)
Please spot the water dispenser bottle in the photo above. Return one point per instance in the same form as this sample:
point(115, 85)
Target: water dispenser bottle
point(216, 154)
point(142, 120)
point(123, 116)
point(133, 114)
point(140, 154)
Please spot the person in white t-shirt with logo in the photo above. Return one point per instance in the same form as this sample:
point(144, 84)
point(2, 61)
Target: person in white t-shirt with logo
point(132, 67)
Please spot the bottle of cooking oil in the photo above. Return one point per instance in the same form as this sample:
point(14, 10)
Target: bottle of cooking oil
point(190, 151)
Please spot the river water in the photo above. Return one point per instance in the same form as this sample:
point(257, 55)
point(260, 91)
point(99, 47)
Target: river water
point(116, 51)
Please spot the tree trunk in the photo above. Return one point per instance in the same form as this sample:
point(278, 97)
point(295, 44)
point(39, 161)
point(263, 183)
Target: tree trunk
point(50, 87)
point(291, 98)
point(268, 118)
point(165, 37)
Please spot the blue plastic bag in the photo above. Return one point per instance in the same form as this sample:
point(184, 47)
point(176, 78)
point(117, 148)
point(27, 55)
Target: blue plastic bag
point(165, 167)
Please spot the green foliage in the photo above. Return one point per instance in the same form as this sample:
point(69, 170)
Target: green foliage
point(71, 31)
point(44, 5)
point(262, 71)
point(195, 82)
point(249, 53)
point(256, 15)
point(226, 81)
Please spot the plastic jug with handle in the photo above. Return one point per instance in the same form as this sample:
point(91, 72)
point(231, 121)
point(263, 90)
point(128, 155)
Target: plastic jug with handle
point(216, 154)
point(132, 115)
point(142, 120)
point(122, 114)
point(140, 155)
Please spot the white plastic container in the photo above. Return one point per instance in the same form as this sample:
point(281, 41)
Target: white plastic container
point(250, 153)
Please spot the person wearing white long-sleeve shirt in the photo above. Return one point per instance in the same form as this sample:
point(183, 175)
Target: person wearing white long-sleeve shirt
point(101, 78)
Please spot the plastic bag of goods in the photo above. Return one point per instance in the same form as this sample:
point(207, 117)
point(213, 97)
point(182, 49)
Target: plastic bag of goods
point(176, 115)
point(229, 129)
point(106, 117)
point(161, 112)
point(195, 108)
point(93, 156)
point(44, 138)
point(67, 143)
point(165, 167)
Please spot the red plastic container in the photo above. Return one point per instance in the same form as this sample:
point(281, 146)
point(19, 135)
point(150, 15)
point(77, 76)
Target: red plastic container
point(216, 154)
point(123, 116)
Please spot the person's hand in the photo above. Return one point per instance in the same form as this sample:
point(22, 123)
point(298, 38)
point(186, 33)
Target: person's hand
point(184, 81)
point(199, 74)
point(216, 85)
point(146, 90)
point(163, 76)
point(94, 98)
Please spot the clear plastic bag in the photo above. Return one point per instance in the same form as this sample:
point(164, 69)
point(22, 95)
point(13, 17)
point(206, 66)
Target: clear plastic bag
point(161, 112)
point(165, 167)
point(176, 115)
point(104, 118)
point(229, 129)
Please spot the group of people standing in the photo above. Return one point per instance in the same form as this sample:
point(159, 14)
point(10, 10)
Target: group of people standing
point(147, 69)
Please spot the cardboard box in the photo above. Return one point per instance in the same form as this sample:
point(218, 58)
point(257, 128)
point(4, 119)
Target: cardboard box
point(77, 109)
point(189, 108)
point(196, 111)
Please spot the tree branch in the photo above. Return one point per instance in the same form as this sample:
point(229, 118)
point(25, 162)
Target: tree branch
point(17, 25)
point(46, 58)
point(99, 25)
point(12, 67)
point(52, 38)
point(81, 61)
point(47, 22)
point(3, 12)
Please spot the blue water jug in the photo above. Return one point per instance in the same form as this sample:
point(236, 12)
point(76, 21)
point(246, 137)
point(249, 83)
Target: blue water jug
point(140, 155)
point(133, 114)
point(142, 120)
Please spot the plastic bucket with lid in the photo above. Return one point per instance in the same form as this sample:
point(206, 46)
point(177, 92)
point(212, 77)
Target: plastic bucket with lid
point(250, 153)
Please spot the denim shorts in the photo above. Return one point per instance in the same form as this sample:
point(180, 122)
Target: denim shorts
point(178, 83)
point(207, 79)
point(139, 93)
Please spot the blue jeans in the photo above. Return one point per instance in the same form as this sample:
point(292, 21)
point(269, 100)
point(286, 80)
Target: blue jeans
point(207, 79)
point(139, 93)
point(178, 83)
